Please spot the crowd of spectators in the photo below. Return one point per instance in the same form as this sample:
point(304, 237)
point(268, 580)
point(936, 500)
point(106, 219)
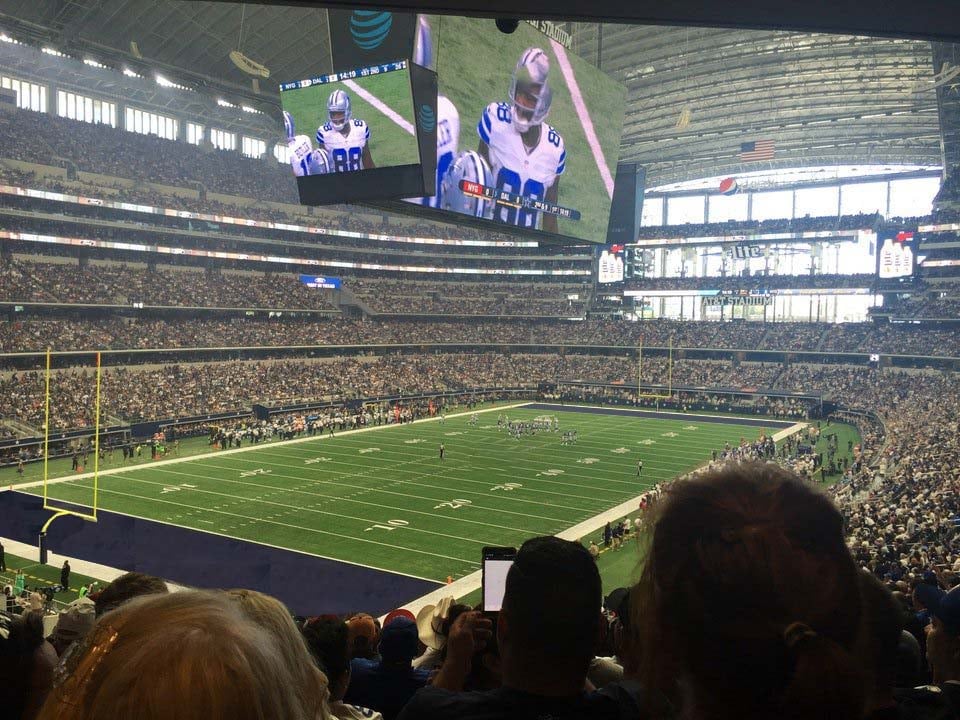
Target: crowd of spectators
point(739, 227)
point(35, 334)
point(946, 307)
point(179, 391)
point(99, 149)
point(753, 282)
point(750, 605)
point(118, 284)
point(400, 296)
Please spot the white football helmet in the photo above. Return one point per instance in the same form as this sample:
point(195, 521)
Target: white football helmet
point(319, 162)
point(288, 125)
point(423, 48)
point(339, 102)
point(530, 79)
point(469, 165)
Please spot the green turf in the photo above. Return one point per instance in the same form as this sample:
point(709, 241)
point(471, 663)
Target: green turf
point(473, 74)
point(389, 144)
point(382, 498)
point(38, 575)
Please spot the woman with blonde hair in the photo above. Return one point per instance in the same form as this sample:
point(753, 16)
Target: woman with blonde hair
point(191, 655)
point(271, 615)
point(748, 605)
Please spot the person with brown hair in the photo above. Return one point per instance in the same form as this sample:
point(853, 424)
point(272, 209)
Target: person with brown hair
point(127, 586)
point(193, 655)
point(748, 605)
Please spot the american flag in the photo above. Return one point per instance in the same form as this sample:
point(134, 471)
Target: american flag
point(757, 150)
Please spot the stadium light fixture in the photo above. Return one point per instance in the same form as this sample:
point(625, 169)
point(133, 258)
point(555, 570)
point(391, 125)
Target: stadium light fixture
point(223, 103)
point(52, 51)
point(130, 73)
point(166, 83)
point(7, 39)
point(95, 63)
point(248, 109)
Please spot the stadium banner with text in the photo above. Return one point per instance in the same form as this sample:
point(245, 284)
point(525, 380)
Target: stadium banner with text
point(318, 281)
point(528, 134)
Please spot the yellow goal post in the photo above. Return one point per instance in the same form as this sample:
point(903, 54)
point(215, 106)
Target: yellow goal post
point(47, 504)
point(655, 395)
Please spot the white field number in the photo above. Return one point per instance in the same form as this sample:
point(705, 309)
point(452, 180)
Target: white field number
point(390, 525)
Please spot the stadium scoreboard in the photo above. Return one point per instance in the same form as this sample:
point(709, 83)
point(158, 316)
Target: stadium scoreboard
point(512, 200)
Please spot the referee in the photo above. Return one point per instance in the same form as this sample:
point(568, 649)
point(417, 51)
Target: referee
point(639, 467)
point(441, 451)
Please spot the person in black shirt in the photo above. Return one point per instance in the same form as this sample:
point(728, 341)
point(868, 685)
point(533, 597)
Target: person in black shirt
point(546, 633)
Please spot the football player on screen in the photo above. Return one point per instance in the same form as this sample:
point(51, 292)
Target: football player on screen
point(448, 118)
point(471, 167)
point(526, 155)
point(344, 137)
point(303, 158)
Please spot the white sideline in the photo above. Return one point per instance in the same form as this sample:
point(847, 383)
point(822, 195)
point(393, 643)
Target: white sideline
point(381, 106)
point(581, 107)
point(233, 451)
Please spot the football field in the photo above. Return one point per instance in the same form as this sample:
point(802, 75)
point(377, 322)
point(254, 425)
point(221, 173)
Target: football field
point(382, 497)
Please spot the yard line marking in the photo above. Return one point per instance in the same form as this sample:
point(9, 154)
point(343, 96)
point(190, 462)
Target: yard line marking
point(391, 114)
point(584, 114)
point(251, 448)
point(362, 502)
point(286, 525)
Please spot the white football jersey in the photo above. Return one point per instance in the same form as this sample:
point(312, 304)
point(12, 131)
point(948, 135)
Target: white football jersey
point(517, 170)
point(301, 150)
point(448, 139)
point(346, 151)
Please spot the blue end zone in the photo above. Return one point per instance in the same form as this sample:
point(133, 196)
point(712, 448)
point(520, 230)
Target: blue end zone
point(719, 419)
point(309, 585)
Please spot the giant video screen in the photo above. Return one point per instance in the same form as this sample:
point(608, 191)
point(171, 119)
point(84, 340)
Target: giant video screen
point(352, 135)
point(528, 134)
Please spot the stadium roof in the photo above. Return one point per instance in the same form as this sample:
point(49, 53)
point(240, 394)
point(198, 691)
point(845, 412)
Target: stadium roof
point(695, 94)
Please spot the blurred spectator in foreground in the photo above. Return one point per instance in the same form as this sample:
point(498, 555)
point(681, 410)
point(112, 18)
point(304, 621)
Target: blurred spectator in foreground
point(749, 602)
point(126, 587)
point(192, 655)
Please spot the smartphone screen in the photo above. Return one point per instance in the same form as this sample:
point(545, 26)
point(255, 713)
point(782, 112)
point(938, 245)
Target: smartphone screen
point(496, 565)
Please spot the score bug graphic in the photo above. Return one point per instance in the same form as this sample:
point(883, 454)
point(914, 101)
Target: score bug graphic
point(509, 199)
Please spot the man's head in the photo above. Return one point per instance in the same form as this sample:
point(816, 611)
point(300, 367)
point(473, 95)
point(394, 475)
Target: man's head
point(363, 635)
point(943, 632)
point(548, 626)
point(399, 642)
point(338, 109)
point(126, 587)
point(327, 638)
point(529, 91)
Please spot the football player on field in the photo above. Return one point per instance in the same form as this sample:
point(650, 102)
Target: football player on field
point(303, 158)
point(526, 155)
point(344, 137)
